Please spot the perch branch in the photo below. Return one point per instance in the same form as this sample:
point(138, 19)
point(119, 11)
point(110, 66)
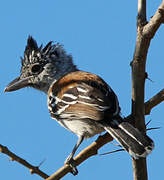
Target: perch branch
point(91, 150)
point(14, 157)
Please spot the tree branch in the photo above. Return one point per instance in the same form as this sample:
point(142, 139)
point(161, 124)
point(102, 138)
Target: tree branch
point(154, 101)
point(150, 29)
point(14, 157)
point(145, 32)
point(91, 150)
point(141, 18)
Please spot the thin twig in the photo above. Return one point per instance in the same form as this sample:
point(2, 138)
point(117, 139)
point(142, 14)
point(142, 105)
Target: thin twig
point(154, 101)
point(150, 29)
point(118, 150)
point(148, 129)
point(14, 157)
point(148, 123)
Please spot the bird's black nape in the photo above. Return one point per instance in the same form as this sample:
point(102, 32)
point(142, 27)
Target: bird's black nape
point(47, 47)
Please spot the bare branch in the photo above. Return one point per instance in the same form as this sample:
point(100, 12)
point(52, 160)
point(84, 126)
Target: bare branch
point(145, 32)
point(155, 22)
point(14, 157)
point(91, 150)
point(154, 101)
point(141, 18)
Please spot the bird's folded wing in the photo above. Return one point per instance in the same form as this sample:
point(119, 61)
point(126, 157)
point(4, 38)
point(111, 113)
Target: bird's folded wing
point(82, 99)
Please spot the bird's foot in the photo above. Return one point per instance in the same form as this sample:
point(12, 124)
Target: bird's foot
point(72, 163)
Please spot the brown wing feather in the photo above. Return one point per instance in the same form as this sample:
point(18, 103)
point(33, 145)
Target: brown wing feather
point(84, 112)
point(88, 96)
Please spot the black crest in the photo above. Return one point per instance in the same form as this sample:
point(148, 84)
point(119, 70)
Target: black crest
point(31, 46)
point(33, 53)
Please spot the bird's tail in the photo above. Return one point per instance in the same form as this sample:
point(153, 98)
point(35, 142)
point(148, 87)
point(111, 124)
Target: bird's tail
point(131, 139)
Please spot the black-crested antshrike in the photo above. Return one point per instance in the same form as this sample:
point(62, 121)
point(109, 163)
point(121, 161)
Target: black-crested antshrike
point(81, 102)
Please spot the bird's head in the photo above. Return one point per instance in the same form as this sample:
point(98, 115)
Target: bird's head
point(41, 66)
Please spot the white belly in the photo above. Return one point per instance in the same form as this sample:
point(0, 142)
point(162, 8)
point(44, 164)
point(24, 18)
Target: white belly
point(85, 127)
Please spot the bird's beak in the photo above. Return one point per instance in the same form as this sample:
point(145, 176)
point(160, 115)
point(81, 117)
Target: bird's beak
point(17, 83)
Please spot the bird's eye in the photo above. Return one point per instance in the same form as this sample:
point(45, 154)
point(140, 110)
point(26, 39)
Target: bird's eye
point(36, 68)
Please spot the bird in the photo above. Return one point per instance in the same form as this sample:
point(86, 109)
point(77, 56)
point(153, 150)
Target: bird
point(80, 101)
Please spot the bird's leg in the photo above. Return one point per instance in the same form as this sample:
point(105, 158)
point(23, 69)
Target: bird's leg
point(69, 160)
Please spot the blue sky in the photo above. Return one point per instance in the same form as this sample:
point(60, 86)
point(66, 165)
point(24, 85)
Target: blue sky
point(100, 35)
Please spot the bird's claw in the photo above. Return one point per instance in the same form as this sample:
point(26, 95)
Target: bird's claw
point(72, 164)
